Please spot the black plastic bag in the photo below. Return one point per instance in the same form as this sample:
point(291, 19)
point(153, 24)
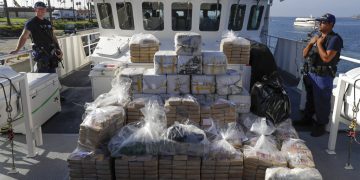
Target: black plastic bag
point(270, 100)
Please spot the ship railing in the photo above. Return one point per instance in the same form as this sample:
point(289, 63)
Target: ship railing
point(290, 50)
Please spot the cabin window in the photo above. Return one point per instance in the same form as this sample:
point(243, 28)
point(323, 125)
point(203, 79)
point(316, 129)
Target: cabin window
point(105, 14)
point(237, 15)
point(125, 16)
point(181, 16)
point(255, 17)
point(210, 16)
point(153, 16)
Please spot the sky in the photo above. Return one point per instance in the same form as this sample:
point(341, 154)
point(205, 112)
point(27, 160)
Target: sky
point(289, 8)
point(305, 8)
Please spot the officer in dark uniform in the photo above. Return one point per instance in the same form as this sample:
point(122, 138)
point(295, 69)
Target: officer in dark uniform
point(46, 50)
point(323, 54)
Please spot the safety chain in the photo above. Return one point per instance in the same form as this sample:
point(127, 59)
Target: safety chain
point(11, 134)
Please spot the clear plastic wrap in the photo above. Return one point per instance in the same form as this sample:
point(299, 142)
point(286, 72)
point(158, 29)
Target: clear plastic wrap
point(202, 84)
point(141, 138)
point(297, 154)
point(236, 49)
point(153, 83)
point(230, 83)
point(231, 37)
point(144, 40)
point(165, 62)
point(285, 131)
point(214, 63)
point(242, 101)
point(178, 84)
point(117, 96)
point(99, 125)
point(136, 76)
point(189, 65)
point(188, 44)
point(282, 173)
point(184, 139)
point(262, 127)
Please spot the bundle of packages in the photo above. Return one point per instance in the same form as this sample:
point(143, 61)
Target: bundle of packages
point(136, 76)
point(189, 65)
point(285, 131)
point(143, 47)
point(143, 137)
point(133, 109)
point(224, 160)
point(137, 167)
point(100, 125)
point(236, 49)
point(165, 62)
point(188, 44)
point(179, 167)
point(184, 139)
point(223, 111)
point(178, 84)
point(263, 154)
point(229, 83)
point(117, 96)
point(83, 164)
point(297, 154)
point(242, 101)
point(182, 108)
point(260, 126)
point(214, 63)
point(281, 173)
point(202, 84)
point(153, 83)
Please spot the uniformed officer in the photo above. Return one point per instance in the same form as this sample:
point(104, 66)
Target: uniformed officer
point(46, 50)
point(323, 53)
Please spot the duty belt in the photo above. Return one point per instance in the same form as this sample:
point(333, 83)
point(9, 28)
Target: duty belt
point(323, 70)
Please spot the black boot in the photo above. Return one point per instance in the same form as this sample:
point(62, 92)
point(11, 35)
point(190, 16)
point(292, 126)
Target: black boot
point(318, 130)
point(304, 122)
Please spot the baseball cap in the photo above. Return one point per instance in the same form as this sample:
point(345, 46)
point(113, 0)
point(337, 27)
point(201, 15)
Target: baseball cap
point(327, 18)
point(39, 4)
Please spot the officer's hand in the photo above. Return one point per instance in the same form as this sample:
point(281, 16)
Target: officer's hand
point(321, 40)
point(14, 52)
point(314, 40)
point(59, 54)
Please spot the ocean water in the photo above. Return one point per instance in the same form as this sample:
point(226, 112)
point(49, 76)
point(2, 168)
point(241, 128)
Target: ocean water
point(347, 28)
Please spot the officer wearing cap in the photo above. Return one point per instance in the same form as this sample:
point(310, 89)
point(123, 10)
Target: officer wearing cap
point(46, 50)
point(323, 54)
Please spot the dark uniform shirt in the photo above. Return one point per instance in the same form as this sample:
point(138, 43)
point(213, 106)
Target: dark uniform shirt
point(41, 31)
point(332, 42)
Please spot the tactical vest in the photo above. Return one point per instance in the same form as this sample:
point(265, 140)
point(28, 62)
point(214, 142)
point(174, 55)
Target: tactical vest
point(314, 56)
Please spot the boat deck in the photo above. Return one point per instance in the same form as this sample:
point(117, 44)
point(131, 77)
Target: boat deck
point(61, 133)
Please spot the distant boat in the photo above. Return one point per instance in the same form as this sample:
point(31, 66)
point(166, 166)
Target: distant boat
point(356, 17)
point(305, 22)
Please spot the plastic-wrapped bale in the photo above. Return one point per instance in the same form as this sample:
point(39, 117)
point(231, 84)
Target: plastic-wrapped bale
point(242, 101)
point(137, 167)
point(236, 49)
point(184, 139)
point(143, 47)
point(224, 161)
point(202, 84)
point(285, 131)
point(141, 138)
point(117, 96)
point(89, 165)
point(100, 125)
point(153, 83)
point(297, 154)
point(189, 65)
point(178, 84)
point(230, 83)
point(188, 44)
point(136, 76)
point(165, 62)
point(179, 167)
point(281, 173)
point(182, 108)
point(223, 111)
point(214, 63)
point(133, 109)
